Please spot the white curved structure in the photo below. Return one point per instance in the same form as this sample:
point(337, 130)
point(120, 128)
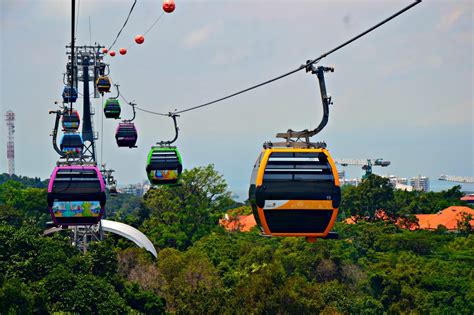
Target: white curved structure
point(118, 228)
point(129, 232)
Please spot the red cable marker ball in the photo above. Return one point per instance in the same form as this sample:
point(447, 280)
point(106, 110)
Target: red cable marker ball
point(122, 51)
point(168, 6)
point(105, 50)
point(139, 39)
point(112, 53)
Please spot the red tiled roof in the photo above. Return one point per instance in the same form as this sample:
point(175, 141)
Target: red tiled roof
point(448, 217)
point(468, 198)
point(242, 223)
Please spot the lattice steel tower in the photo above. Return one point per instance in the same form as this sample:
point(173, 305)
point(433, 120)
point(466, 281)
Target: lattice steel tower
point(10, 119)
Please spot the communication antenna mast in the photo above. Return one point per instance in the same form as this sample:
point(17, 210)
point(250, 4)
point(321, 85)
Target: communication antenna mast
point(10, 119)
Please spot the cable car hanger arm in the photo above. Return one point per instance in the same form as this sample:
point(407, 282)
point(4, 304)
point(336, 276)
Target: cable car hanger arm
point(118, 92)
point(326, 100)
point(134, 112)
point(55, 132)
point(176, 129)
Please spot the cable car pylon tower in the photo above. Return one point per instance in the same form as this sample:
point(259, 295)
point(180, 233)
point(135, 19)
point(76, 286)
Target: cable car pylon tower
point(87, 59)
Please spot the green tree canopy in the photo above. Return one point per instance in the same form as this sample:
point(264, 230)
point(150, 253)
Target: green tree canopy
point(374, 193)
point(182, 214)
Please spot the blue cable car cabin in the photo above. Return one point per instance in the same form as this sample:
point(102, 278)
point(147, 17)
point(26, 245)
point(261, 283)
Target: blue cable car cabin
point(72, 145)
point(76, 195)
point(69, 94)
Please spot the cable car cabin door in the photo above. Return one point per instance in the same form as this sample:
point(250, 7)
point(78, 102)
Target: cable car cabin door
point(295, 192)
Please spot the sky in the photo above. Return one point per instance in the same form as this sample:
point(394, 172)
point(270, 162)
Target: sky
point(403, 93)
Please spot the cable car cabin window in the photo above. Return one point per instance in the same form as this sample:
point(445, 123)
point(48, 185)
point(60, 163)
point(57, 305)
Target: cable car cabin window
point(76, 187)
point(72, 182)
point(298, 176)
point(71, 141)
point(164, 160)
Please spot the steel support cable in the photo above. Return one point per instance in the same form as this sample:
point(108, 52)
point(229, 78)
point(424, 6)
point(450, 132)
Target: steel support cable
point(71, 84)
point(125, 23)
point(305, 66)
point(77, 17)
point(150, 28)
point(141, 109)
point(102, 135)
point(154, 23)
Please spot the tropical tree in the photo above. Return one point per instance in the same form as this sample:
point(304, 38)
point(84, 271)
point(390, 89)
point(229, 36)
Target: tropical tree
point(182, 214)
point(373, 194)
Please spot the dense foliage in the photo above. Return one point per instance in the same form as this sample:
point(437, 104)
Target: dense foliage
point(375, 267)
point(26, 181)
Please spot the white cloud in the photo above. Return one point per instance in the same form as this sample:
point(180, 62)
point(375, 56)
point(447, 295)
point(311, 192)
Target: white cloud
point(197, 37)
point(449, 19)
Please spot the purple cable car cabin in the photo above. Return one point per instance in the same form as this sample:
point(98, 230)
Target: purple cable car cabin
point(76, 195)
point(126, 134)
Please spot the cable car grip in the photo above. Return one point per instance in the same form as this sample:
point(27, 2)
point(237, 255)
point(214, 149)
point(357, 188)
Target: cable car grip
point(118, 92)
point(325, 98)
point(176, 129)
point(134, 112)
point(304, 135)
point(55, 132)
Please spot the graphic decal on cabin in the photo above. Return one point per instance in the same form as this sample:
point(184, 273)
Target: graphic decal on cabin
point(76, 208)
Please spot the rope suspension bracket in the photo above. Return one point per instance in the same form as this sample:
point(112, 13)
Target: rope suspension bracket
point(302, 138)
point(118, 91)
point(134, 112)
point(176, 129)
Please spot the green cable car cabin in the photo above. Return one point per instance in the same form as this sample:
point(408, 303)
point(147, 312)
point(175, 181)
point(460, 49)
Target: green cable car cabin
point(164, 165)
point(112, 108)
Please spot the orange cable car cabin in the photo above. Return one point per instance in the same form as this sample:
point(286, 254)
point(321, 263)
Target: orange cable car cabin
point(295, 192)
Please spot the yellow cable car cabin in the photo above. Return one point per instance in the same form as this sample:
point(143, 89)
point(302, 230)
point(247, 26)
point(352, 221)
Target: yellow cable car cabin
point(103, 84)
point(295, 192)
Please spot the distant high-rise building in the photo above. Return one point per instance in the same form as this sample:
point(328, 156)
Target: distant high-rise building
point(135, 189)
point(400, 183)
point(420, 183)
point(348, 181)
